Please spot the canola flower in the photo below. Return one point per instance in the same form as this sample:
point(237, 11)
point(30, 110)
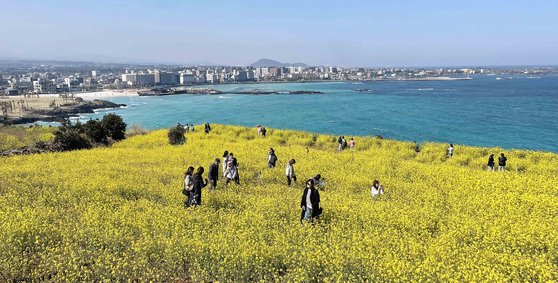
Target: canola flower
point(12, 137)
point(116, 214)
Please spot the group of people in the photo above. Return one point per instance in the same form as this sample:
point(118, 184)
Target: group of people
point(502, 160)
point(262, 131)
point(501, 163)
point(230, 168)
point(194, 183)
point(188, 127)
point(310, 201)
point(342, 143)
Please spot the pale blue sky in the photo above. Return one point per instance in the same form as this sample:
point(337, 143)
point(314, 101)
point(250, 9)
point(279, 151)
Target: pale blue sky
point(239, 32)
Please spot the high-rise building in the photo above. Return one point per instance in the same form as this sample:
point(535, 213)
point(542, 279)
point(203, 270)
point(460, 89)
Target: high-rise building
point(186, 79)
point(250, 75)
point(94, 73)
point(129, 78)
point(145, 79)
point(168, 78)
point(240, 75)
point(211, 78)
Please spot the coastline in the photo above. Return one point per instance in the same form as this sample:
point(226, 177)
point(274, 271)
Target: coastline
point(107, 93)
point(134, 92)
point(49, 109)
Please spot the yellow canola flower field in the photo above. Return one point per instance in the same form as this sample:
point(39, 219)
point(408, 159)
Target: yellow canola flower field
point(116, 214)
point(12, 137)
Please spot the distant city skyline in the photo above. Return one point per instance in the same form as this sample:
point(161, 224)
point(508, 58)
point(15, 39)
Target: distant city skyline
point(317, 33)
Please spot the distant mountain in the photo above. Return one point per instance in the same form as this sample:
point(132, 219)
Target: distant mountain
point(272, 63)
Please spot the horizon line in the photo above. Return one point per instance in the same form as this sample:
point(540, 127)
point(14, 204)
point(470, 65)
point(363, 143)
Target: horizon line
point(307, 65)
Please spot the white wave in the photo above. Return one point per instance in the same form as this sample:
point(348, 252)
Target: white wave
point(426, 89)
point(226, 97)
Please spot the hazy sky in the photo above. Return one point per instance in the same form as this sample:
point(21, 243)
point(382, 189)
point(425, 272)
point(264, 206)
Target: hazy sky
point(239, 32)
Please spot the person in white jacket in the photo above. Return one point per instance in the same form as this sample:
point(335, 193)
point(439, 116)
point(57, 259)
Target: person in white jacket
point(376, 189)
point(289, 172)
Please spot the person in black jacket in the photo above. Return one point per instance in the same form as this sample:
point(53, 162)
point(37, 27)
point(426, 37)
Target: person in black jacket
point(340, 143)
point(213, 173)
point(271, 159)
point(199, 184)
point(491, 163)
point(310, 202)
point(502, 162)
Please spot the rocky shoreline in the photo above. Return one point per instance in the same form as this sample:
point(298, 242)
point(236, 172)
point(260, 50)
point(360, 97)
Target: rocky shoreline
point(60, 113)
point(210, 91)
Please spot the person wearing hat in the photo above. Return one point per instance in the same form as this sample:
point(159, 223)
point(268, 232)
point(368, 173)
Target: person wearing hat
point(214, 174)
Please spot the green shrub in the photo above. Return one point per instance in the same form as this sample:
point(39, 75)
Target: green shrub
point(176, 135)
point(95, 131)
point(71, 137)
point(114, 127)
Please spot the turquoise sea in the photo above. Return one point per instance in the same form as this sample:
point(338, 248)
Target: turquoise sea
point(509, 112)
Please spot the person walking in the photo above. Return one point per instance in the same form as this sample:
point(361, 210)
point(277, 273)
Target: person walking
point(289, 172)
point(376, 189)
point(198, 185)
point(310, 202)
point(339, 143)
point(417, 147)
point(192, 128)
point(232, 170)
point(264, 132)
point(213, 174)
point(502, 162)
point(188, 185)
point(271, 159)
point(450, 150)
point(343, 143)
point(225, 160)
point(207, 128)
point(352, 143)
point(490, 166)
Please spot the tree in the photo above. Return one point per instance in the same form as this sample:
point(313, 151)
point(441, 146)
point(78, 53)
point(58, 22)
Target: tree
point(71, 137)
point(114, 127)
point(95, 131)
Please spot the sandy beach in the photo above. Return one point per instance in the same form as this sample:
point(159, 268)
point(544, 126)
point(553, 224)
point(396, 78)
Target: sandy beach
point(85, 95)
point(52, 107)
point(106, 93)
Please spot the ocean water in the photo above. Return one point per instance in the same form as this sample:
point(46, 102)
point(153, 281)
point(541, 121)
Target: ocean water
point(511, 112)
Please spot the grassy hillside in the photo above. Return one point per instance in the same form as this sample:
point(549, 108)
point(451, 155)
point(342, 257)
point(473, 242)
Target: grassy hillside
point(116, 213)
point(12, 137)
